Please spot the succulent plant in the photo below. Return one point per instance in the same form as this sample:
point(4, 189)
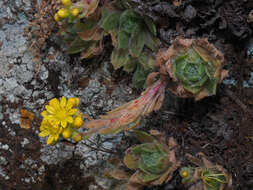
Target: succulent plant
point(80, 30)
point(195, 67)
point(206, 176)
point(128, 115)
point(153, 160)
point(130, 33)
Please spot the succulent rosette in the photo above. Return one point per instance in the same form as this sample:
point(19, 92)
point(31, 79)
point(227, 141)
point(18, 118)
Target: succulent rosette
point(195, 67)
point(206, 176)
point(153, 160)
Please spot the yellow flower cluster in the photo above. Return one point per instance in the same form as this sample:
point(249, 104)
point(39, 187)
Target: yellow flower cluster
point(67, 12)
point(61, 118)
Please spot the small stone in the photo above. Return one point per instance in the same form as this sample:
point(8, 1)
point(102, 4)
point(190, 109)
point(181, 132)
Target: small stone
point(3, 161)
point(41, 170)
point(24, 142)
point(5, 147)
point(190, 13)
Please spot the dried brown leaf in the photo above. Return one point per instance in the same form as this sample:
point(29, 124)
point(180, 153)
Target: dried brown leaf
point(26, 118)
point(128, 115)
point(119, 175)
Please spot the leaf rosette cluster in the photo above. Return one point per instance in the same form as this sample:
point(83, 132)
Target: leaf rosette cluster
point(206, 176)
point(154, 161)
point(82, 34)
point(131, 34)
point(195, 67)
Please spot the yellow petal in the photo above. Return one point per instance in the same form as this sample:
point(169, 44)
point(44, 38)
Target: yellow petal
point(69, 119)
point(64, 124)
point(50, 140)
point(54, 123)
point(54, 103)
point(56, 137)
point(71, 102)
point(72, 112)
point(44, 114)
point(77, 101)
point(60, 130)
point(63, 102)
point(44, 133)
point(50, 109)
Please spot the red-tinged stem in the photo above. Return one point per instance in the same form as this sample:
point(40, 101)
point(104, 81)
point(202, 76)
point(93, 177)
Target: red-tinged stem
point(156, 88)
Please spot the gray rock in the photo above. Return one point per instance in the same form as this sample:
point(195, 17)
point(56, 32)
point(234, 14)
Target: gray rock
point(3, 161)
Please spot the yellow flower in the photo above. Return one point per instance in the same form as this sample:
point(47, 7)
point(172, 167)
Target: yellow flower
point(60, 113)
point(62, 13)
point(75, 12)
point(50, 129)
point(66, 2)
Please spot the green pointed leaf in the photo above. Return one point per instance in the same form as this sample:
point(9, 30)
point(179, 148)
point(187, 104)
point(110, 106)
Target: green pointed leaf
point(149, 177)
point(121, 4)
point(130, 160)
point(86, 25)
point(143, 137)
point(130, 66)
point(151, 41)
point(104, 14)
point(123, 40)
point(151, 26)
point(211, 86)
point(119, 58)
point(137, 44)
point(147, 61)
point(210, 70)
point(69, 37)
point(140, 76)
point(77, 46)
point(193, 90)
point(111, 22)
point(129, 20)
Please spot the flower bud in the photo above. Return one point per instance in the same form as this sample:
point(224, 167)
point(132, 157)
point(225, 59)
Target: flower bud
point(56, 18)
point(62, 13)
point(75, 12)
point(78, 122)
point(66, 2)
point(67, 133)
point(77, 137)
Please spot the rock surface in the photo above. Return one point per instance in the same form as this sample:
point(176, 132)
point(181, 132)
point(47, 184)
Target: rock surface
point(25, 159)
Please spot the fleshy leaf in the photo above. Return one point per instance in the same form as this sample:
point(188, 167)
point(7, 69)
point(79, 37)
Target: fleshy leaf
point(151, 26)
point(150, 41)
point(119, 58)
point(129, 20)
point(149, 177)
point(77, 46)
point(92, 34)
point(130, 66)
point(123, 40)
point(121, 118)
point(94, 49)
point(137, 44)
point(130, 160)
point(143, 137)
point(147, 61)
point(140, 76)
point(111, 21)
